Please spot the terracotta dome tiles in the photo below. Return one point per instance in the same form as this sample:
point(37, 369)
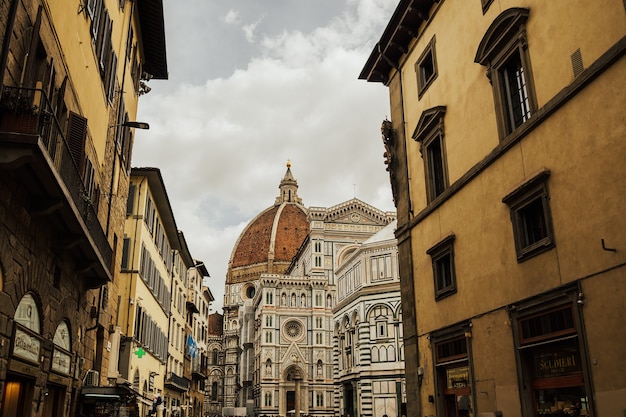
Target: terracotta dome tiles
point(255, 243)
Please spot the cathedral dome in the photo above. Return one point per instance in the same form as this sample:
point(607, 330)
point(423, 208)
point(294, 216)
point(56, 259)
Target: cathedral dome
point(270, 241)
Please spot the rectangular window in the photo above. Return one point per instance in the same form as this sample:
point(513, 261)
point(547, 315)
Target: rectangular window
point(429, 132)
point(435, 167)
point(530, 217)
point(125, 253)
point(357, 275)
point(426, 68)
point(381, 268)
point(554, 323)
point(442, 255)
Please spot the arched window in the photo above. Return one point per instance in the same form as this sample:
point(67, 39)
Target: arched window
point(61, 356)
point(27, 314)
point(375, 355)
point(268, 399)
point(214, 391)
point(215, 356)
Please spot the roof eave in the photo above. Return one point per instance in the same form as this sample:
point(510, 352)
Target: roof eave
point(152, 24)
point(394, 42)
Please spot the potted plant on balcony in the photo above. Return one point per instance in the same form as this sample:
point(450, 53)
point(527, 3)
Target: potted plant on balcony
point(18, 113)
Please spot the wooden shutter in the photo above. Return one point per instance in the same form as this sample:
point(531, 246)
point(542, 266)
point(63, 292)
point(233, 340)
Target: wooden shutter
point(130, 202)
point(32, 51)
point(104, 51)
point(76, 136)
point(112, 74)
point(96, 8)
point(60, 102)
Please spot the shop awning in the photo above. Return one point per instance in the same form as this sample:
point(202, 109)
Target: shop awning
point(114, 393)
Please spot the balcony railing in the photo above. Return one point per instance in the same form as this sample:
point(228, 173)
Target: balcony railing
point(198, 369)
point(176, 382)
point(30, 130)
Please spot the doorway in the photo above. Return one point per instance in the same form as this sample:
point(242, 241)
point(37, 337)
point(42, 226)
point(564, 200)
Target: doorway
point(348, 400)
point(291, 402)
point(16, 395)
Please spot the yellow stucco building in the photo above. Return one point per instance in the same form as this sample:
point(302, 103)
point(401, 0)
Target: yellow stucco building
point(506, 156)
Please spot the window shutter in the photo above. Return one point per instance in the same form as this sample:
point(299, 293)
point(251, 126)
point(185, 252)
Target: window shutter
point(130, 202)
point(76, 136)
point(125, 253)
point(105, 42)
point(32, 51)
point(97, 8)
point(61, 97)
point(112, 73)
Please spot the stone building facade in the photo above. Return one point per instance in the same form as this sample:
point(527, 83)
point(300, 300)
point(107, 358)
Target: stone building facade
point(506, 154)
point(67, 98)
point(367, 330)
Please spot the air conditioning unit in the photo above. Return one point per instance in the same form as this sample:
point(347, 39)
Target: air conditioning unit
point(92, 378)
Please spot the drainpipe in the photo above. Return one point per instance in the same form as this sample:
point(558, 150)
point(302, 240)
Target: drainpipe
point(130, 22)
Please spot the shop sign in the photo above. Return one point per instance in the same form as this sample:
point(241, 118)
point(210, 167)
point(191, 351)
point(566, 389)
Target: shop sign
point(559, 363)
point(61, 362)
point(457, 377)
point(26, 346)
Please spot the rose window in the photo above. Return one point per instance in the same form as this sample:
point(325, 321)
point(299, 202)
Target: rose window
point(293, 329)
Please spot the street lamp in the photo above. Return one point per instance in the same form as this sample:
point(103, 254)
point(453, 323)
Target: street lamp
point(138, 125)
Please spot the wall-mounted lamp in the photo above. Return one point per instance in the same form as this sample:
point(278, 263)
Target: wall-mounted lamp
point(143, 88)
point(135, 125)
point(138, 125)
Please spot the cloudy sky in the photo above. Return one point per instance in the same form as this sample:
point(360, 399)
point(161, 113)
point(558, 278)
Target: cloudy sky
point(252, 84)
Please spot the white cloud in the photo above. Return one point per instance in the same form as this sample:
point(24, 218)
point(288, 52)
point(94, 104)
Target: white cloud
point(232, 17)
point(249, 30)
point(222, 145)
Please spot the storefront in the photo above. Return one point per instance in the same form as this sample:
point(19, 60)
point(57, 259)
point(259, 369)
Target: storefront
point(115, 401)
point(24, 366)
point(452, 361)
point(552, 359)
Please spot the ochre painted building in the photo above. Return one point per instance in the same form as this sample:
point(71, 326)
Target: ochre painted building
point(506, 156)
